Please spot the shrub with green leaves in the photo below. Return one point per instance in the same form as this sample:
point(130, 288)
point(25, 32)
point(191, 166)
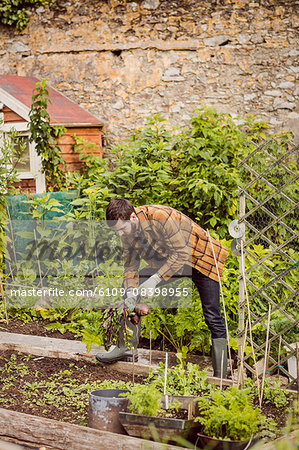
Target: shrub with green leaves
point(193, 170)
point(229, 414)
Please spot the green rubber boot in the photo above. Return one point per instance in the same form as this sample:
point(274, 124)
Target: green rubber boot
point(219, 352)
point(122, 353)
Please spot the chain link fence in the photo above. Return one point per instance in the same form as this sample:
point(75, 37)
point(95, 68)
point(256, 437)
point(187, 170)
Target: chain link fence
point(266, 241)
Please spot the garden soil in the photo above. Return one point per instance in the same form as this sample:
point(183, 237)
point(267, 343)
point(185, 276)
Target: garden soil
point(13, 395)
point(82, 371)
point(34, 328)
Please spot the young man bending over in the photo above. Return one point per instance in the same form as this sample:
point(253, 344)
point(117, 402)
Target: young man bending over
point(172, 245)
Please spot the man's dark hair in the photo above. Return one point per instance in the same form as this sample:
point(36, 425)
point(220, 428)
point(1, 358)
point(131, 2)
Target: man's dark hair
point(118, 208)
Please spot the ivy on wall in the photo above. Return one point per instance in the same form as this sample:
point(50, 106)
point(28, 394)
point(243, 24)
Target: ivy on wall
point(17, 13)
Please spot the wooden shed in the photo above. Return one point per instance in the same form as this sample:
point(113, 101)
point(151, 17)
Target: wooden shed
point(15, 103)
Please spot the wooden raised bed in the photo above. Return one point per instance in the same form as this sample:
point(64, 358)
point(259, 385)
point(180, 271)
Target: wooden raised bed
point(64, 436)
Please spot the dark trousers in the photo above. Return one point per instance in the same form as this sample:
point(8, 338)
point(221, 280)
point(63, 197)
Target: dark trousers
point(209, 292)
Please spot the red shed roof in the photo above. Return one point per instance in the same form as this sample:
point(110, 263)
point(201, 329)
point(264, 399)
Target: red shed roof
point(61, 110)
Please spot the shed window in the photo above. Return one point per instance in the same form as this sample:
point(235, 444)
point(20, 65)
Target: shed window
point(22, 154)
point(30, 167)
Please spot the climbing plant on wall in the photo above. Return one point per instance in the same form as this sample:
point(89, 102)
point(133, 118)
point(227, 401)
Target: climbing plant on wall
point(43, 135)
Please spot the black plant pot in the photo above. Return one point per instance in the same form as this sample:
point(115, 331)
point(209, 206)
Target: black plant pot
point(148, 427)
point(209, 443)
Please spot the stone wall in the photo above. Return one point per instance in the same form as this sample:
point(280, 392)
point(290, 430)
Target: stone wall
point(123, 60)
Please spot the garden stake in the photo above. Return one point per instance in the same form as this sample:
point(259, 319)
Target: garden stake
point(165, 381)
point(38, 264)
point(10, 272)
point(278, 358)
point(241, 367)
point(190, 410)
point(266, 353)
point(4, 300)
point(133, 365)
point(268, 356)
point(12, 234)
point(150, 355)
point(224, 309)
point(297, 360)
point(249, 323)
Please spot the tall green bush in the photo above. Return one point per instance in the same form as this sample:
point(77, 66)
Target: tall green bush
point(193, 169)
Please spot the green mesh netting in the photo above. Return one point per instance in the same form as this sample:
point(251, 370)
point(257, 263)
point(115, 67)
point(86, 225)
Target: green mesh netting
point(18, 209)
point(20, 224)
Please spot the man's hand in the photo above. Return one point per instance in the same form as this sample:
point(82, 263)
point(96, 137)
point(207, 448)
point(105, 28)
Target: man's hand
point(147, 289)
point(141, 309)
point(131, 300)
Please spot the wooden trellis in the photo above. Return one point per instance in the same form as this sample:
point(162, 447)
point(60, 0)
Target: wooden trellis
point(266, 241)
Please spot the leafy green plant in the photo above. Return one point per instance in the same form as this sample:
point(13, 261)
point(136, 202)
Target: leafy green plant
point(274, 395)
point(144, 400)
point(173, 408)
point(229, 414)
point(17, 12)
point(91, 204)
point(181, 380)
point(39, 207)
point(44, 134)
